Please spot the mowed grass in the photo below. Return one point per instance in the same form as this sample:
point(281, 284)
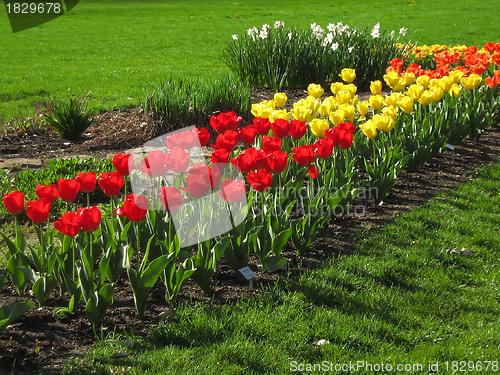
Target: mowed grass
point(114, 49)
point(399, 299)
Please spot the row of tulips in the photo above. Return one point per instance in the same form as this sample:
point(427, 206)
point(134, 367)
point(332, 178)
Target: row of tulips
point(274, 182)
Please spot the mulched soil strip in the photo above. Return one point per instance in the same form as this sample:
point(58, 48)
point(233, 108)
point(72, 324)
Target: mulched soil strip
point(37, 340)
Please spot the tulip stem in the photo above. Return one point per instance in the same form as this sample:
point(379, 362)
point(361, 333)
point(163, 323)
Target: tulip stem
point(88, 200)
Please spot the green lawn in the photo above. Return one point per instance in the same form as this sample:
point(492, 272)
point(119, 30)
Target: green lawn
point(400, 298)
point(113, 49)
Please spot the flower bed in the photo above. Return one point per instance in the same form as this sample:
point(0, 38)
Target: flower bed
point(276, 181)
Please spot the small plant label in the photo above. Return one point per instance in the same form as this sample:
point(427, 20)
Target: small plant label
point(451, 147)
point(247, 273)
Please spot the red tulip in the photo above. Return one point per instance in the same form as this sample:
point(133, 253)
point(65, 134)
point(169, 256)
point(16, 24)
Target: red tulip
point(203, 135)
point(262, 125)
point(179, 160)
point(261, 161)
point(233, 190)
point(478, 68)
point(134, 208)
point(69, 224)
point(260, 180)
point(270, 144)
point(48, 192)
point(277, 161)
point(244, 162)
point(157, 163)
point(220, 156)
point(313, 172)
point(227, 140)
point(14, 202)
point(304, 155)
point(87, 181)
point(280, 128)
point(68, 189)
point(323, 147)
point(247, 134)
point(90, 218)
point(111, 183)
point(124, 163)
point(187, 140)
point(200, 179)
point(170, 197)
point(342, 134)
point(225, 121)
point(38, 210)
point(297, 129)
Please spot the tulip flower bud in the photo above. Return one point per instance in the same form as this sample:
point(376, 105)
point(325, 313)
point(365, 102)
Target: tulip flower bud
point(455, 90)
point(376, 87)
point(318, 127)
point(363, 108)
point(315, 90)
point(280, 99)
point(336, 87)
point(348, 75)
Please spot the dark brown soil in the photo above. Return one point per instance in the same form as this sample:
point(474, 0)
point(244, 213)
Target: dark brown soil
point(39, 341)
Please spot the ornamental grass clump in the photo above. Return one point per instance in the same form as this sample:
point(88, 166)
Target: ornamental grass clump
point(69, 118)
point(180, 102)
point(277, 56)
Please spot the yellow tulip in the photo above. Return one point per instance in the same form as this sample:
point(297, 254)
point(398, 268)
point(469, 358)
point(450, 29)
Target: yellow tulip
point(376, 101)
point(261, 110)
point(280, 114)
point(390, 111)
point(315, 90)
point(343, 97)
point(477, 79)
point(446, 83)
point(280, 99)
point(302, 113)
point(311, 102)
point(468, 83)
point(327, 106)
point(409, 78)
point(363, 108)
point(318, 127)
point(351, 88)
point(434, 82)
point(406, 104)
point(337, 116)
point(383, 123)
point(455, 90)
point(400, 86)
point(414, 91)
point(426, 97)
point(369, 129)
point(336, 87)
point(376, 87)
point(456, 75)
point(349, 112)
point(393, 99)
point(348, 75)
point(423, 81)
point(392, 78)
point(437, 92)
